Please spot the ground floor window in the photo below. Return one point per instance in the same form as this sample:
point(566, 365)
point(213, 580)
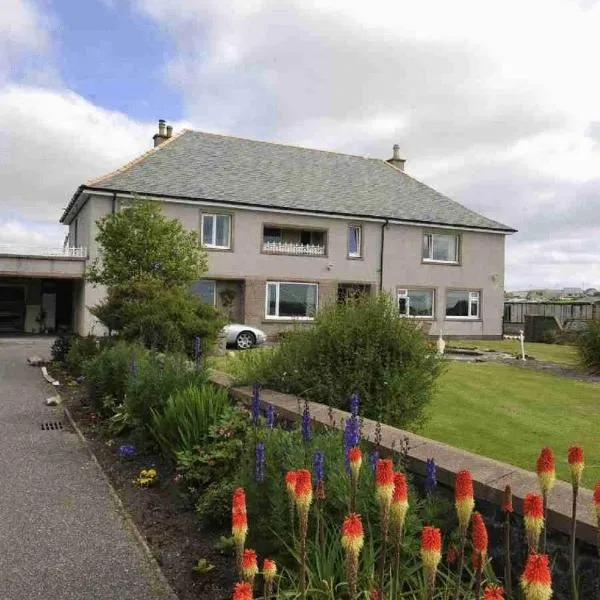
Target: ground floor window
point(291, 300)
point(462, 304)
point(207, 290)
point(416, 302)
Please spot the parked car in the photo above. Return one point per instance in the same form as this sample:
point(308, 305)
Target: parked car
point(243, 336)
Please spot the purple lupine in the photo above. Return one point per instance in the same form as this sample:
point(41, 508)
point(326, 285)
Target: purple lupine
point(374, 459)
point(270, 417)
point(351, 437)
point(306, 433)
point(354, 405)
point(255, 404)
point(319, 466)
point(431, 479)
point(260, 462)
point(197, 351)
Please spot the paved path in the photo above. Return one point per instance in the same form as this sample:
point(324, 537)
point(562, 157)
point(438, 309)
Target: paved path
point(61, 535)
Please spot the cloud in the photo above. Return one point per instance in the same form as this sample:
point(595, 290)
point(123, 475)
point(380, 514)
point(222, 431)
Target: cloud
point(491, 104)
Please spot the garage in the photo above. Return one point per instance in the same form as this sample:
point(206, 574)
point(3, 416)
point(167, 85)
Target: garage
point(12, 308)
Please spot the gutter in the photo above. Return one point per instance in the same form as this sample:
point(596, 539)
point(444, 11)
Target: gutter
point(383, 226)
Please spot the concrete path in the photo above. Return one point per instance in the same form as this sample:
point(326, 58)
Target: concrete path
point(61, 534)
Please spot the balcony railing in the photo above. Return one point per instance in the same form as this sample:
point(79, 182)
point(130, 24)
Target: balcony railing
point(49, 251)
point(293, 248)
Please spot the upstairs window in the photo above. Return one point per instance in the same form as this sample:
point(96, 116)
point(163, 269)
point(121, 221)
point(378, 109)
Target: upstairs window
point(462, 304)
point(438, 247)
point(415, 303)
point(216, 231)
point(354, 241)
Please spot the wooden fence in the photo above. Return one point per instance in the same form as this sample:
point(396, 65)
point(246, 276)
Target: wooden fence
point(515, 312)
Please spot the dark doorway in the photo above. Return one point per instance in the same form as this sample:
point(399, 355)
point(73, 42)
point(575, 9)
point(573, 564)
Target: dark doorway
point(12, 308)
point(352, 290)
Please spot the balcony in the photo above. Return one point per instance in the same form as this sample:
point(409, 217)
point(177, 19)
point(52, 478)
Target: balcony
point(44, 251)
point(296, 242)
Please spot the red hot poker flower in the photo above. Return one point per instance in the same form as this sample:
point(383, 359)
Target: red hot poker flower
point(399, 506)
point(597, 500)
point(480, 535)
point(431, 552)
point(269, 569)
point(493, 593)
point(290, 483)
point(536, 580)
point(249, 564)
point(463, 498)
point(384, 480)
point(355, 460)
point(534, 519)
point(242, 591)
point(507, 505)
point(546, 470)
point(352, 534)
point(303, 490)
point(239, 518)
point(239, 499)
point(576, 462)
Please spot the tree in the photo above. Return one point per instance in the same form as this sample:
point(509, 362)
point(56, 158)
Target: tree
point(147, 263)
point(139, 243)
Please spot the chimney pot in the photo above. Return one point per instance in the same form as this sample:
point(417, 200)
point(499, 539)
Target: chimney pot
point(162, 135)
point(396, 161)
point(169, 131)
point(161, 127)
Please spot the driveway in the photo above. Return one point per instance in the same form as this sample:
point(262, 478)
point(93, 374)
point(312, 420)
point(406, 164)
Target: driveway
point(61, 535)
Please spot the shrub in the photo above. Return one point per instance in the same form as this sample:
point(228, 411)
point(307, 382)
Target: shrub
point(156, 378)
point(588, 346)
point(186, 418)
point(81, 350)
point(361, 346)
point(60, 347)
point(107, 374)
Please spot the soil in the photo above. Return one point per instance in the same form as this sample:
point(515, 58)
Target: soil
point(164, 517)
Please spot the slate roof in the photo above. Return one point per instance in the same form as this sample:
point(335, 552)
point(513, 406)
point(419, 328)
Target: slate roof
point(206, 166)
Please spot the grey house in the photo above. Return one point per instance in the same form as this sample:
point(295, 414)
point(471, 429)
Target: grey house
point(290, 229)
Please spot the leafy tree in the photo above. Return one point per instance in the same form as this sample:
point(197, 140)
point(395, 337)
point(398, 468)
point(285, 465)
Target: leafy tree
point(147, 263)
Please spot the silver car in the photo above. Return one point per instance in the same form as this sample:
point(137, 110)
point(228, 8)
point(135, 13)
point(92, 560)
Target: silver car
point(243, 336)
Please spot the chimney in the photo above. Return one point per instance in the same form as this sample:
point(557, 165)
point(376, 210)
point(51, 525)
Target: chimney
point(396, 161)
point(161, 136)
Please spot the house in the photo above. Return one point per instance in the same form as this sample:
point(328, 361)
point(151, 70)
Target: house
point(290, 229)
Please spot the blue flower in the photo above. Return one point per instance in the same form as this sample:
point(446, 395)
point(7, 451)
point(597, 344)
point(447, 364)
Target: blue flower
point(319, 466)
point(270, 417)
point(306, 434)
point(431, 478)
point(354, 404)
point(126, 450)
point(351, 437)
point(374, 459)
point(255, 404)
point(260, 462)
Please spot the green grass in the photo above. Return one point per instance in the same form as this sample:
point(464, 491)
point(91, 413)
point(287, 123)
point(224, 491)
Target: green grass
point(566, 355)
point(508, 413)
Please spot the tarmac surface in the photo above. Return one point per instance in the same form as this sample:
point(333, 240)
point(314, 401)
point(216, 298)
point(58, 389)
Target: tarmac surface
point(62, 536)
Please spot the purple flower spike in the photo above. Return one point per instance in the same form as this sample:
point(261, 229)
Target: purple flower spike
point(270, 417)
point(255, 404)
point(306, 429)
point(260, 462)
point(319, 466)
point(354, 405)
point(374, 458)
point(431, 479)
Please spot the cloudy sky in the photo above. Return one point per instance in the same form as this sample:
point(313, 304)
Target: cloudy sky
point(496, 104)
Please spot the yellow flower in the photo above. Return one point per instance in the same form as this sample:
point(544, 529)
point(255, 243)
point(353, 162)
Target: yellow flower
point(143, 473)
point(151, 473)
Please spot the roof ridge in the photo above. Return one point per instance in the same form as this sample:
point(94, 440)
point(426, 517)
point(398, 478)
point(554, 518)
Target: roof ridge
point(136, 160)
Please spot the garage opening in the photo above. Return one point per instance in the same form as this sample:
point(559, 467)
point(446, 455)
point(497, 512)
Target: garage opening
point(12, 308)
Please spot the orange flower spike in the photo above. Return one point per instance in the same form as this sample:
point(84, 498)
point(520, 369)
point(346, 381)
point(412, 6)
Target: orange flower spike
point(507, 505)
point(534, 519)
point(239, 518)
point(536, 580)
point(480, 536)
point(242, 591)
point(399, 500)
point(290, 483)
point(597, 500)
point(269, 569)
point(493, 593)
point(303, 489)
point(431, 551)
point(384, 481)
point(546, 470)
point(239, 499)
point(355, 460)
point(576, 462)
point(353, 536)
point(249, 564)
point(464, 500)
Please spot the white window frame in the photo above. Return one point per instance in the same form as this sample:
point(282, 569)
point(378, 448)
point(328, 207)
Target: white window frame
point(212, 243)
point(359, 252)
point(430, 258)
point(277, 284)
point(473, 297)
point(404, 293)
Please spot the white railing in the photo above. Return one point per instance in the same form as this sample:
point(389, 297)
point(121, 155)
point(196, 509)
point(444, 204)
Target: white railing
point(50, 251)
point(292, 248)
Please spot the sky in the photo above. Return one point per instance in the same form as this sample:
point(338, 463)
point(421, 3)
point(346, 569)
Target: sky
point(495, 104)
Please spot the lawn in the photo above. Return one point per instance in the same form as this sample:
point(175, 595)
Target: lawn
point(509, 413)
point(566, 355)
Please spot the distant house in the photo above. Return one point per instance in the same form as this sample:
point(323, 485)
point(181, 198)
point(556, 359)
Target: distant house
point(290, 229)
point(572, 292)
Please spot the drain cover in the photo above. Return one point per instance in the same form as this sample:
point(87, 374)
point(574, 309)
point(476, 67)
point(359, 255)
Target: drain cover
point(52, 425)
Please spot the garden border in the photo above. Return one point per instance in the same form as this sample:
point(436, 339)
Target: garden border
point(489, 476)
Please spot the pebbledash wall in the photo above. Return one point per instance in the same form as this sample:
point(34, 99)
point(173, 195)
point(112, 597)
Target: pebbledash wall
point(481, 265)
point(490, 477)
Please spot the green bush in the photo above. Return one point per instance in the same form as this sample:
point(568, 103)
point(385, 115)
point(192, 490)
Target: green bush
point(81, 350)
point(186, 418)
point(360, 346)
point(157, 377)
point(107, 374)
point(61, 346)
point(588, 346)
